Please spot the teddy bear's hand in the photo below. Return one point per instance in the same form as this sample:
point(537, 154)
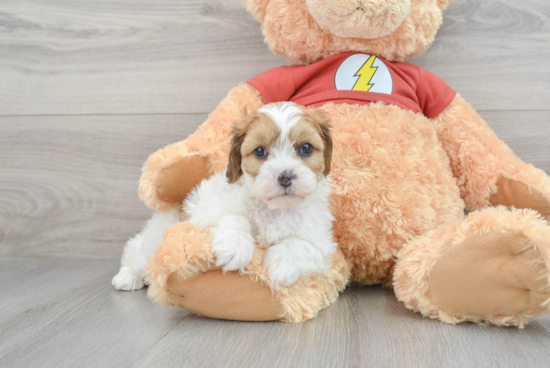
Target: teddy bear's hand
point(166, 187)
point(492, 267)
point(183, 273)
point(172, 172)
point(487, 170)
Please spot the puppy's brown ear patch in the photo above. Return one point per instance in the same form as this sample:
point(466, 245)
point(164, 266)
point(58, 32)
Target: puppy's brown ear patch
point(234, 169)
point(321, 122)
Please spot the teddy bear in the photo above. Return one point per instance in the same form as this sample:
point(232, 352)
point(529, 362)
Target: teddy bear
point(410, 155)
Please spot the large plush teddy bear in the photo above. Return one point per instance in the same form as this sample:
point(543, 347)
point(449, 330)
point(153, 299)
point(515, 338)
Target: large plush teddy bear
point(409, 156)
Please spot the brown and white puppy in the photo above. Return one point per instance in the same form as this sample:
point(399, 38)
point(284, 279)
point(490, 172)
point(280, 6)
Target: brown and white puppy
point(274, 193)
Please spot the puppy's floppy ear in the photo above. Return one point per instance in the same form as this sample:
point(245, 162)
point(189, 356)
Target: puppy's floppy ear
point(234, 170)
point(322, 123)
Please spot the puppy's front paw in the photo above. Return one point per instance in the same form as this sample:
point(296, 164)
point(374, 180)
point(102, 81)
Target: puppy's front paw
point(232, 249)
point(126, 279)
point(281, 267)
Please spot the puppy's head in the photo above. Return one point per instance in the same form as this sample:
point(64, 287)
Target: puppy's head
point(282, 151)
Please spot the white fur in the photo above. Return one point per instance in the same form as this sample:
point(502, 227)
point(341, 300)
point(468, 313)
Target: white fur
point(299, 238)
point(285, 115)
point(293, 223)
point(132, 269)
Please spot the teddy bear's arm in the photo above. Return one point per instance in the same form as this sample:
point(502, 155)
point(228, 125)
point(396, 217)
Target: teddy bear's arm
point(487, 171)
point(170, 173)
point(183, 273)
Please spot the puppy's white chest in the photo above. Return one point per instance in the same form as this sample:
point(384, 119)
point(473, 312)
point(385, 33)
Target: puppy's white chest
point(273, 226)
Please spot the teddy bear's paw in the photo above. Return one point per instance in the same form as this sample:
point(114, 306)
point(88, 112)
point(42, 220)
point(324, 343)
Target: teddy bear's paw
point(233, 249)
point(168, 177)
point(512, 193)
point(497, 277)
point(126, 279)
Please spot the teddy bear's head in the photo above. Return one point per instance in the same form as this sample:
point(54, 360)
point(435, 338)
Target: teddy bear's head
point(305, 31)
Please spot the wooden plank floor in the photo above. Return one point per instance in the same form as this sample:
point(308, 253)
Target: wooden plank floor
point(89, 88)
point(64, 313)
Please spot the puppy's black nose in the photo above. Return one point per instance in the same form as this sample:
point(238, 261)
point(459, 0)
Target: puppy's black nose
point(285, 179)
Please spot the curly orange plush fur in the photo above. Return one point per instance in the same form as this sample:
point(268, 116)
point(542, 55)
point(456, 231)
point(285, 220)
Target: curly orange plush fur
point(290, 30)
point(401, 181)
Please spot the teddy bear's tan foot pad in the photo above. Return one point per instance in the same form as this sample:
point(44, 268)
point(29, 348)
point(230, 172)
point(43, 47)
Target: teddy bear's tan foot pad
point(231, 296)
point(175, 181)
point(491, 275)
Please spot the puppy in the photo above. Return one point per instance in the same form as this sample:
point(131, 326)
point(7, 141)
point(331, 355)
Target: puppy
point(274, 193)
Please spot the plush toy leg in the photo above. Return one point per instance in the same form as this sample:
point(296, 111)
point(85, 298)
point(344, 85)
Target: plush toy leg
point(487, 171)
point(170, 173)
point(183, 273)
point(490, 268)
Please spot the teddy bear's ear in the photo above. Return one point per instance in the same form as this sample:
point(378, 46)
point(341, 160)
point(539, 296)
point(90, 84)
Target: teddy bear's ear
point(258, 8)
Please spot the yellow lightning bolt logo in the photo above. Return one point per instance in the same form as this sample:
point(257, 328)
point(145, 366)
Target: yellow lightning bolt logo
point(365, 75)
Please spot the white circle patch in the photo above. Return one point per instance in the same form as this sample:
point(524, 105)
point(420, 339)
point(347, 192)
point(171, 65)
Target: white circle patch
point(366, 73)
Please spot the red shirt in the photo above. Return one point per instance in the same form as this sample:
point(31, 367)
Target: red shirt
point(355, 78)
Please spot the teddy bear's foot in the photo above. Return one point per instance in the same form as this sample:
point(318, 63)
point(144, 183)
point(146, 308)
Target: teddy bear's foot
point(490, 268)
point(183, 273)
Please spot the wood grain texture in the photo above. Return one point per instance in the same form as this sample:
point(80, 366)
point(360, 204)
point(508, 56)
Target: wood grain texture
point(493, 52)
point(183, 56)
point(74, 318)
point(42, 280)
point(125, 56)
point(88, 324)
point(69, 183)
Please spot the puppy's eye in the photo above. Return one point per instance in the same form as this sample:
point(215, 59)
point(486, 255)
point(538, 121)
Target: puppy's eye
point(260, 153)
point(305, 150)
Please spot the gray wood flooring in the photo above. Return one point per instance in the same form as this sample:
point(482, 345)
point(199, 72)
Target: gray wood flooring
point(64, 313)
point(89, 88)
